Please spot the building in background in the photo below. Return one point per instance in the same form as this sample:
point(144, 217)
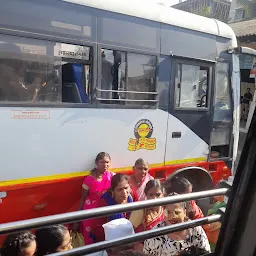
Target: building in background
point(242, 10)
point(217, 9)
point(246, 36)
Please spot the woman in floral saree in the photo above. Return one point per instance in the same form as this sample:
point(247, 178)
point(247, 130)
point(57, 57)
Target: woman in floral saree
point(146, 219)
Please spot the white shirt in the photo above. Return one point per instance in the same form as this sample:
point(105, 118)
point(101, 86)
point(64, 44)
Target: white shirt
point(165, 246)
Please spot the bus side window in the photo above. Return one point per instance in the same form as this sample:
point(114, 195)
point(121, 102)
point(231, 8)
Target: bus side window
point(75, 69)
point(39, 71)
point(191, 86)
point(127, 78)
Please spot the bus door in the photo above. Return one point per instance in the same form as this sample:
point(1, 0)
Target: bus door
point(189, 123)
point(221, 133)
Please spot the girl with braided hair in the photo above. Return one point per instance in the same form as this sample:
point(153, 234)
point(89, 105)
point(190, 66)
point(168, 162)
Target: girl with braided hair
point(19, 244)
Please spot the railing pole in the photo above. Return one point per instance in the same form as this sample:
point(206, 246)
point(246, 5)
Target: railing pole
point(84, 250)
point(35, 223)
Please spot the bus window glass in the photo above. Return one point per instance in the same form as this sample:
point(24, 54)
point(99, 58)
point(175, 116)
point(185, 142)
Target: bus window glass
point(222, 100)
point(141, 77)
point(37, 71)
point(191, 86)
point(113, 67)
point(127, 78)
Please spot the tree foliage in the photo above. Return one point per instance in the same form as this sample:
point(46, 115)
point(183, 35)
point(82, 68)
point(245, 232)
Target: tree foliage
point(204, 11)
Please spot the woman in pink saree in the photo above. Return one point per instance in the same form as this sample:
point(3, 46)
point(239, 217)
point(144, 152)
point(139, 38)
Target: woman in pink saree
point(140, 178)
point(94, 186)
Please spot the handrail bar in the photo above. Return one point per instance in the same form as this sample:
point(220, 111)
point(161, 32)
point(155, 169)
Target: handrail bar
point(135, 92)
point(70, 217)
point(129, 100)
point(85, 250)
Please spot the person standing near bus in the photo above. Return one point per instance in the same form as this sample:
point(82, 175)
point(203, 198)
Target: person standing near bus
point(94, 186)
point(140, 178)
point(245, 103)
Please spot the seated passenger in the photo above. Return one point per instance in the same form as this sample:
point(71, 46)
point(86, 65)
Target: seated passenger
point(20, 244)
point(140, 178)
point(146, 219)
point(118, 194)
point(53, 239)
point(94, 186)
point(183, 186)
point(174, 243)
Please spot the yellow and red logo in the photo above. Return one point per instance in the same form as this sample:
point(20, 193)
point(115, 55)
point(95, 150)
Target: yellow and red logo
point(143, 131)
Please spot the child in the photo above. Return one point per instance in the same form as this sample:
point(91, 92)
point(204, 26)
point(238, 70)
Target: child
point(140, 178)
point(175, 242)
point(183, 186)
point(21, 244)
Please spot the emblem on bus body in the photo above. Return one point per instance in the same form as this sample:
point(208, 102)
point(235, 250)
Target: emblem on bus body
point(143, 131)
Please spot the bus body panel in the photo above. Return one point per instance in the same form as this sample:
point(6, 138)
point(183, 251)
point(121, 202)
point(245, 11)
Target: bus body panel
point(59, 141)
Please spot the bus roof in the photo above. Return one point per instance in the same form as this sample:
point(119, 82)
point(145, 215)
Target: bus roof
point(163, 14)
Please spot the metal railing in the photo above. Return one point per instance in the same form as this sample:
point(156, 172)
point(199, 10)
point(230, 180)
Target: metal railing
point(41, 222)
point(83, 250)
point(128, 100)
point(120, 91)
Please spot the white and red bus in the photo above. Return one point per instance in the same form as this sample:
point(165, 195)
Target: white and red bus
point(130, 78)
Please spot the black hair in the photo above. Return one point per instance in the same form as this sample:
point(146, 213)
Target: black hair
point(132, 253)
point(49, 239)
point(182, 204)
point(154, 184)
point(141, 161)
point(101, 156)
point(193, 251)
point(14, 244)
point(119, 177)
point(176, 184)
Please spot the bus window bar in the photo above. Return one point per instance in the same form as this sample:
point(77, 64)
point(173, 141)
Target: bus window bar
point(126, 100)
point(70, 217)
point(119, 91)
point(84, 250)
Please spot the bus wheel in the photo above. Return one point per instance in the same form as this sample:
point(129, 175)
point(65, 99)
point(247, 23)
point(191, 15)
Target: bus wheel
point(200, 179)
